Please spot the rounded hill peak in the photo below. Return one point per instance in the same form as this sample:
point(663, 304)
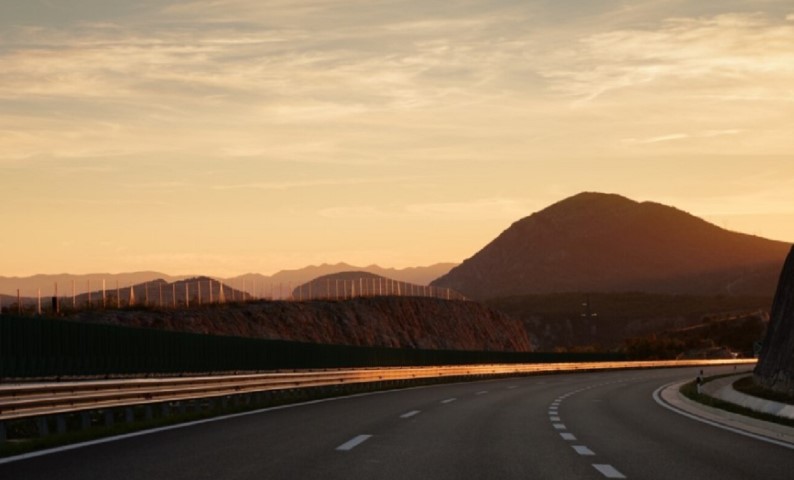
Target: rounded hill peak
point(606, 242)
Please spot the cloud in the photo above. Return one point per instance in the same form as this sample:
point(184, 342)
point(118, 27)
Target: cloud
point(484, 207)
point(311, 183)
point(702, 55)
point(682, 136)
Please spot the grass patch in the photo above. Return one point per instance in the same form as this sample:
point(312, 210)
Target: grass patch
point(748, 386)
point(689, 390)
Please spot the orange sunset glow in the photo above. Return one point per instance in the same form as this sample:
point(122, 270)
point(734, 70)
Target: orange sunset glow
point(228, 136)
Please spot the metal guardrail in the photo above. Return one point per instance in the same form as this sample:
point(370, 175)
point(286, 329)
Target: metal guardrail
point(33, 400)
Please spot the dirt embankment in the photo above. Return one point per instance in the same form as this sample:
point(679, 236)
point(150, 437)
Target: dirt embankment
point(400, 322)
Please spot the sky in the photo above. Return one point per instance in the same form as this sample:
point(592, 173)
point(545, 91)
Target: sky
point(229, 136)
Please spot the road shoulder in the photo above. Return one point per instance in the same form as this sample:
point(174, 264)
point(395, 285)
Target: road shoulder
point(669, 396)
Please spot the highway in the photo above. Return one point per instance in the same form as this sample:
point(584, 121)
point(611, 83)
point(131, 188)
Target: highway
point(564, 426)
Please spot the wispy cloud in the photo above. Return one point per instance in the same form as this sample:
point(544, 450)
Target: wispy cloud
point(312, 183)
point(477, 208)
point(693, 54)
point(682, 136)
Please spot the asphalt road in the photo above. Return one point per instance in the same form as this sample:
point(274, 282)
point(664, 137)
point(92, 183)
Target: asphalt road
point(582, 426)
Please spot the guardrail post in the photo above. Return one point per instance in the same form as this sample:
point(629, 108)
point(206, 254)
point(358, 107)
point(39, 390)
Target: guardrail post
point(42, 427)
point(85, 420)
point(3, 434)
point(60, 424)
point(149, 414)
point(129, 415)
point(166, 411)
point(108, 418)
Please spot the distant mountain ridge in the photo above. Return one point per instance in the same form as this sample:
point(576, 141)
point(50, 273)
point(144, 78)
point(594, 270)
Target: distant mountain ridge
point(358, 283)
point(252, 283)
point(608, 243)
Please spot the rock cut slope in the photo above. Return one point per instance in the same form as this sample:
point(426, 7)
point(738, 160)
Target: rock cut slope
point(398, 322)
point(775, 369)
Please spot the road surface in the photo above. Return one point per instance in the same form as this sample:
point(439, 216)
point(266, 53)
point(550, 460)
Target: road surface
point(567, 426)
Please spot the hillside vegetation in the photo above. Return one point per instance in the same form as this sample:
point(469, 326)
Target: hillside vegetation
point(607, 320)
point(595, 242)
point(401, 322)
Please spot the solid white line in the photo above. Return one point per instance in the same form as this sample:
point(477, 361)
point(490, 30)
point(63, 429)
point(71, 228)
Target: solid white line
point(559, 426)
point(115, 438)
point(658, 399)
point(582, 450)
point(449, 400)
point(568, 436)
point(512, 387)
point(353, 443)
point(482, 392)
point(409, 414)
point(608, 470)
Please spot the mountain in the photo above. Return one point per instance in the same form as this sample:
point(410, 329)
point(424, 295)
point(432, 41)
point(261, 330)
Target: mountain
point(253, 283)
point(29, 286)
point(280, 284)
point(154, 293)
point(596, 242)
point(344, 285)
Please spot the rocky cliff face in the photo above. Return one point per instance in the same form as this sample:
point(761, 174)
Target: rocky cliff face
point(775, 369)
point(425, 323)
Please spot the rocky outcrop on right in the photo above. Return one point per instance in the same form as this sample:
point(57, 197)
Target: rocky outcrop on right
point(775, 369)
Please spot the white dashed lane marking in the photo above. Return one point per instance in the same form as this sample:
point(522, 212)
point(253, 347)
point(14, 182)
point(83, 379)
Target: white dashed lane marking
point(409, 414)
point(604, 469)
point(608, 470)
point(482, 392)
point(449, 400)
point(353, 443)
point(582, 450)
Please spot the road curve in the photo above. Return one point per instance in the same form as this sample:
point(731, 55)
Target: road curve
point(583, 426)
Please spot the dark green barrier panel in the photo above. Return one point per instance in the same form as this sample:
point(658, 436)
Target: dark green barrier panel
point(45, 347)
